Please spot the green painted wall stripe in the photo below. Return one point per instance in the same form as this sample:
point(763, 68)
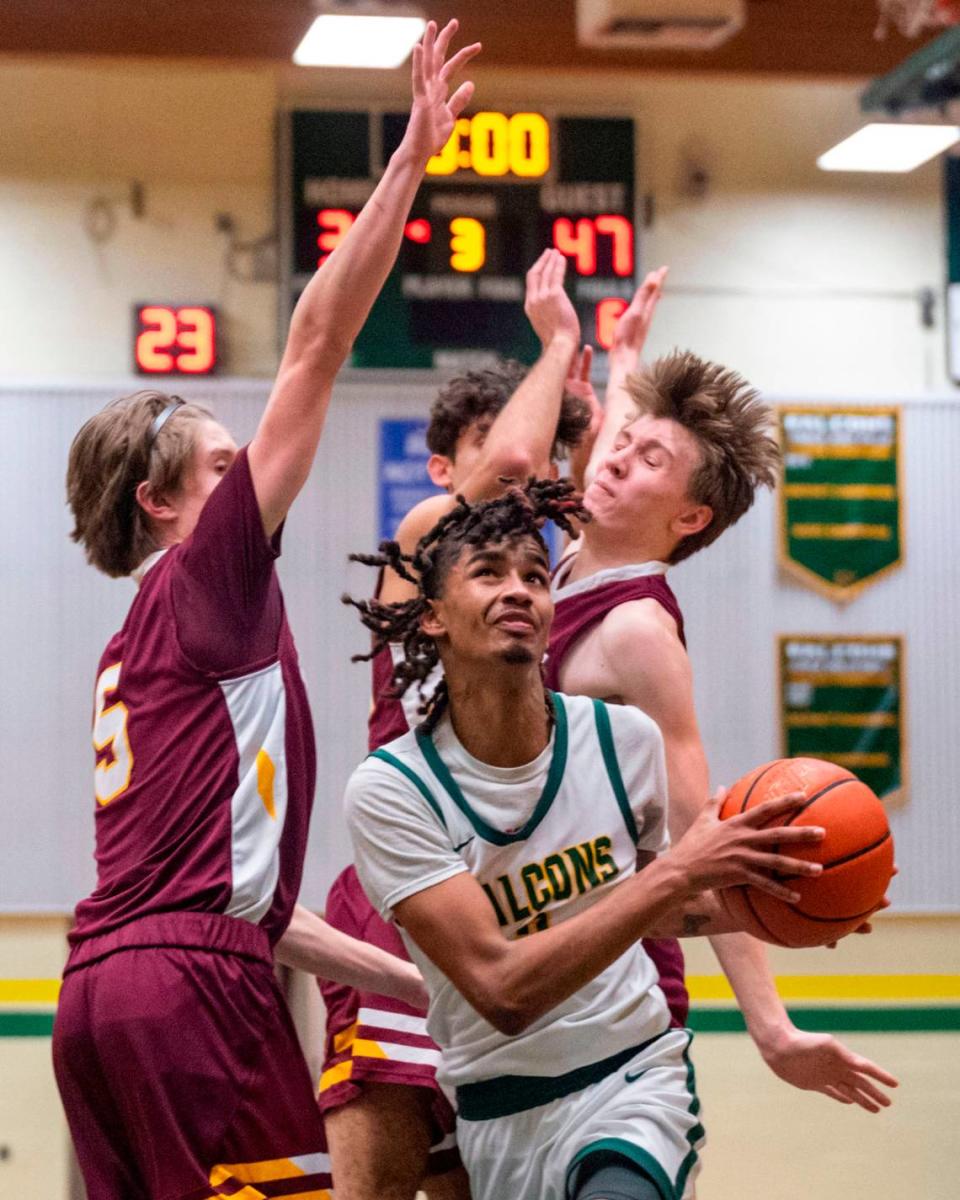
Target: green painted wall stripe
point(841, 1019)
point(25, 1024)
point(846, 1019)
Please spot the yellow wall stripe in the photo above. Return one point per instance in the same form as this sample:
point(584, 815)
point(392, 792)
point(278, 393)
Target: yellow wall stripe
point(864, 988)
point(29, 991)
point(861, 988)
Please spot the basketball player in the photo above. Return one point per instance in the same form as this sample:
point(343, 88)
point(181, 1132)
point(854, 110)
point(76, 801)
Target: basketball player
point(388, 1124)
point(512, 812)
point(174, 1052)
point(681, 450)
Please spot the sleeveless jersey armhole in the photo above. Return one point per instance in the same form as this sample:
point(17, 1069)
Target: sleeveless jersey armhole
point(605, 736)
point(418, 783)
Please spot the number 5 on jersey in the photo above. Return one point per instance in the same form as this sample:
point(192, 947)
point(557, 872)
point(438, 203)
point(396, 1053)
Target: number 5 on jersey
point(112, 772)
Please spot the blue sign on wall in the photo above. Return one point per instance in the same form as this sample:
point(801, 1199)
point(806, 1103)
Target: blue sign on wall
point(403, 480)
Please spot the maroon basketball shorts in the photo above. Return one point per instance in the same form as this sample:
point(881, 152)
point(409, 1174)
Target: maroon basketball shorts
point(376, 1039)
point(180, 1070)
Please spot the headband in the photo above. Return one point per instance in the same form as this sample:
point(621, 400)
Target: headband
point(160, 420)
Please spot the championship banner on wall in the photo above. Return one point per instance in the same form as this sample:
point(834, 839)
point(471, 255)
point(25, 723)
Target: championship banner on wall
point(841, 520)
point(841, 698)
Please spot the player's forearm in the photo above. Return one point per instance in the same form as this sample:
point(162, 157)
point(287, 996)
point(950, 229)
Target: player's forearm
point(312, 945)
point(531, 975)
point(744, 962)
point(336, 302)
point(618, 408)
point(327, 319)
point(520, 439)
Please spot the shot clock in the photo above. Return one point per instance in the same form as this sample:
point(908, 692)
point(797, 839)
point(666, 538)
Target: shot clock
point(507, 184)
point(171, 339)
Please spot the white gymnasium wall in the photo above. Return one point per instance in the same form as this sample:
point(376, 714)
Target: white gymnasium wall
point(56, 615)
point(804, 281)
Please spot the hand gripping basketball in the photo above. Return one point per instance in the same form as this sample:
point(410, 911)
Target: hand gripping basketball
point(856, 854)
point(744, 851)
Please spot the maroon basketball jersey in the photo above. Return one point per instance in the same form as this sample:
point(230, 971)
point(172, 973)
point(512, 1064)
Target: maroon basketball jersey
point(580, 607)
point(205, 760)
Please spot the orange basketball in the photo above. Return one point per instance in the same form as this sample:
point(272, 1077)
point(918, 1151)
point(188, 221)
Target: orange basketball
point(857, 853)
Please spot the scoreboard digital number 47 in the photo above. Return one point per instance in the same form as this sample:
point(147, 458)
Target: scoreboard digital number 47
point(505, 186)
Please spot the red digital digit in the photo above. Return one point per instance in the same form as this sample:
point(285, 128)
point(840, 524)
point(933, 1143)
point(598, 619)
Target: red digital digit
point(418, 231)
point(608, 314)
point(335, 222)
point(196, 339)
point(155, 344)
point(578, 242)
point(621, 230)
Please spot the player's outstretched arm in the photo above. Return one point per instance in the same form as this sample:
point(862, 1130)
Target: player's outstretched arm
point(337, 300)
point(310, 944)
point(629, 338)
point(513, 983)
point(634, 636)
point(522, 435)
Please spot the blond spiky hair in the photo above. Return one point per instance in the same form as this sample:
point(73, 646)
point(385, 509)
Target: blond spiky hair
point(732, 426)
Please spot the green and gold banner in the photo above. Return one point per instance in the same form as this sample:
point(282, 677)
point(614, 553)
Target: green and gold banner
point(841, 521)
point(841, 698)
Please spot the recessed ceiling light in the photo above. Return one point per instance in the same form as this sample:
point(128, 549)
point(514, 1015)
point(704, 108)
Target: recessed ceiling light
point(882, 147)
point(361, 40)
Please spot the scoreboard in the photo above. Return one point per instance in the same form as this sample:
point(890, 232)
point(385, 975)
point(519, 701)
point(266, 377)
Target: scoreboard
point(505, 186)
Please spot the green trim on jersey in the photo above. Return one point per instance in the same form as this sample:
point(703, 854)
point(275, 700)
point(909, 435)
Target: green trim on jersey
point(640, 1158)
point(505, 1095)
point(550, 788)
point(418, 783)
point(605, 734)
point(697, 1133)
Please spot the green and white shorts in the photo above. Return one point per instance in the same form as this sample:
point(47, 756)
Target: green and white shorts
point(525, 1137)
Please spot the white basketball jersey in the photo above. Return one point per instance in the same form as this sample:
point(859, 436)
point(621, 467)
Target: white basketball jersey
point(603, 797)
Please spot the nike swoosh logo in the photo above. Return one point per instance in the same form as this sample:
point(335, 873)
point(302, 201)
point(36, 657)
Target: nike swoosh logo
point(633, 1076)
point(466, 843)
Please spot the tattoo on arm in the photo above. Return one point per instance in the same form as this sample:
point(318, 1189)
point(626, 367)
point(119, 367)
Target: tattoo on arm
point(694, 922)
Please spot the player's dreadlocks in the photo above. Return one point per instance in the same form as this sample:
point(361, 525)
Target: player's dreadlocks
point(518, 513)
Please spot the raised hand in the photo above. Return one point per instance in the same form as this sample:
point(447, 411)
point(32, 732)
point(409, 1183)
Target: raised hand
point(720, 854)
point(434, 111)
point(633, 325)
point(548, 307)
point(578, 384)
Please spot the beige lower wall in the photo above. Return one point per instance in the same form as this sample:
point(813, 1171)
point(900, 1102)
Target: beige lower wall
point(766, 1141)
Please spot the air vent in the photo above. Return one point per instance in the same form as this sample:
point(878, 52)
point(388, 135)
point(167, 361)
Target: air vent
point(658, 24)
